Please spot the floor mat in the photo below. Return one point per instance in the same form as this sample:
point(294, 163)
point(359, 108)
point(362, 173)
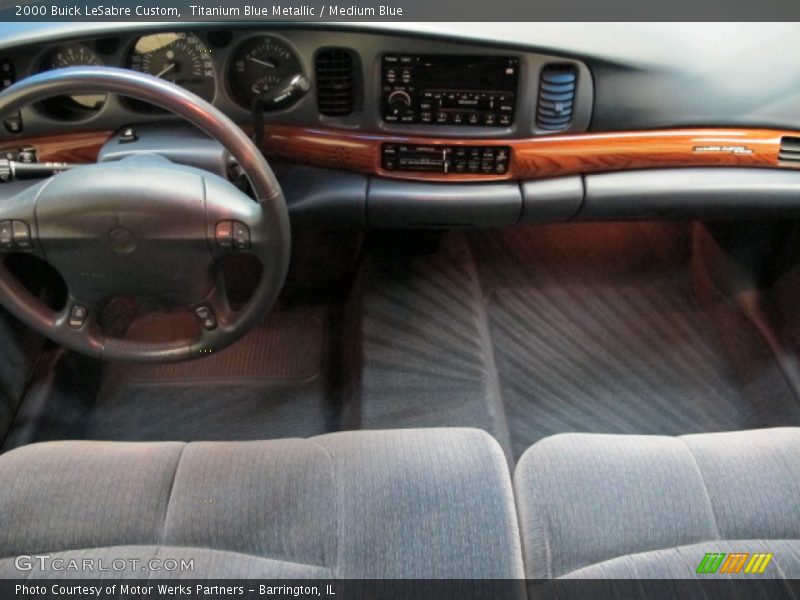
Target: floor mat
point(596, 328)
point(275, 382)
point(288, 347)
point(426, 356)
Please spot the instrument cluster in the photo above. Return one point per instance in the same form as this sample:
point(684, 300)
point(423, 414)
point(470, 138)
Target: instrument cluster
point(208, 66)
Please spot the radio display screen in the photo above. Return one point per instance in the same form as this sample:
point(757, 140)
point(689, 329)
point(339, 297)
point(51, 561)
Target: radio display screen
point(490, 73)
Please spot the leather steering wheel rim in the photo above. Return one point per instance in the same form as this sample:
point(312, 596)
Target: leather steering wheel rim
point(267, 213)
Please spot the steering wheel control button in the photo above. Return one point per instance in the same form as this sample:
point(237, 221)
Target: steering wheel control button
point(224, 234)
point(15, 235)
point(6, 235)
point(22, 235)
point(241, 236)
point(77, 316)
point(207, 318)
point(232, 234)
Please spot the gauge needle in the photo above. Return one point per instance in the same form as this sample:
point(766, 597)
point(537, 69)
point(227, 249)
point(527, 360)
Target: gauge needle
point(266, 63)
point(166, 70)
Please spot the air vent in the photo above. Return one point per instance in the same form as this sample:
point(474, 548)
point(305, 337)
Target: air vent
point(336, 82)
point(790, 150)
point(556, 97)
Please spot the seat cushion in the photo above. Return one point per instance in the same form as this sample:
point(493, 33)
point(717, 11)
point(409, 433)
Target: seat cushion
point(431, 503)
point(627, 506)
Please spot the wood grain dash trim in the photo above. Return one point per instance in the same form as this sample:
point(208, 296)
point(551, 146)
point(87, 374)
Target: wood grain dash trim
point(544, 156)
point(72, 148)
point(531, 158)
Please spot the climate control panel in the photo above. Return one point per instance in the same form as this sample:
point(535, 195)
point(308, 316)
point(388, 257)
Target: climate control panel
point(445, 159)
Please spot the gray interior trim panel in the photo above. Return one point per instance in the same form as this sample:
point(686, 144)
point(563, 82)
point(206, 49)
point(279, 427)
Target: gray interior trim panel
point(551, 200)
point(400, 204)
point(180, 142)
point(712, 193)
point(323, 198)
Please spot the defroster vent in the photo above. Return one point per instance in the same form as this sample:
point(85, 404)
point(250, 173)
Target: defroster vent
point(336, 82)
point(556, 97)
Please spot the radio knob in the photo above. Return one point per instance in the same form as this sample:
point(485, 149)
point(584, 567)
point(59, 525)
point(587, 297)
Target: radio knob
point(399, 101)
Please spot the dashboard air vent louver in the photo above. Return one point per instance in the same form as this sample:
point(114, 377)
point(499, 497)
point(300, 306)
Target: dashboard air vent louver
point(556, 97)
point(336, 82)
point(790, 149)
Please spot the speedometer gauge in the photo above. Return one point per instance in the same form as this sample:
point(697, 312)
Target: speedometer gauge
point(258, 65)
point(181, 58)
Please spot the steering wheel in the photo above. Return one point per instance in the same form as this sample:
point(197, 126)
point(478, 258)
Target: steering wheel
point(144, 226)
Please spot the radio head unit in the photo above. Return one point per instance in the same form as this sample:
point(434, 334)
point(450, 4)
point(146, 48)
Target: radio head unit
point(449, 89)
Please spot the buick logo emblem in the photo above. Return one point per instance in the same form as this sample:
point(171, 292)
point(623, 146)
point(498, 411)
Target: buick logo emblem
point(121, 240)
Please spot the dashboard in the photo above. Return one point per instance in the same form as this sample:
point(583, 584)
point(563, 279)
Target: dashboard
point(362, 82)
point(392, 81)
point(410, 118)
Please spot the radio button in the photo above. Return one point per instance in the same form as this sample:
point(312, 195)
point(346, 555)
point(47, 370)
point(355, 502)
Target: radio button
point(426, 117)
point(489, 119)
point(442, 117)
point(505, 120)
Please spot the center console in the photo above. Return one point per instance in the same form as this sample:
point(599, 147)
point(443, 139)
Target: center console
point(449, 89)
